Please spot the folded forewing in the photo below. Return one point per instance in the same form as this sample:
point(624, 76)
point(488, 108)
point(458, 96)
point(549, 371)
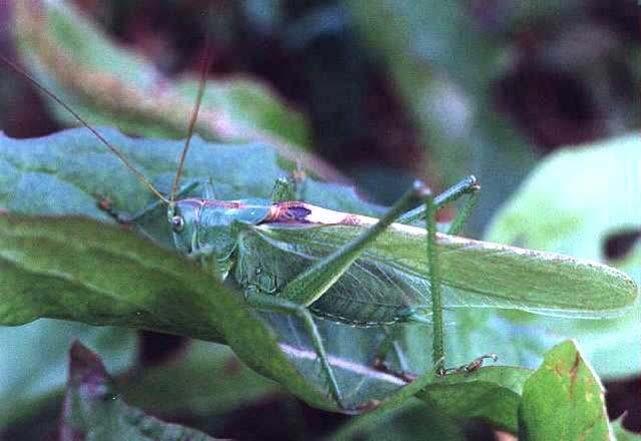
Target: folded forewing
point(474, 273)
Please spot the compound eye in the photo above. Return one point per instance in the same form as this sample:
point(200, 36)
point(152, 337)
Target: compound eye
point(177, 224)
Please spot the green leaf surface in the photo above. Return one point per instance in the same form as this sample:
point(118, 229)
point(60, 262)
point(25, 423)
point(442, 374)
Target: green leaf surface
point(77, 269)
point(492, 394)
point(208, 380)
point(564, 400)
point(573, 203)
point(93, 409)
point(575, 194)
point(411, 421)
point(33, 362)
point(110, 85)
point(71, 171)
point(58, 175)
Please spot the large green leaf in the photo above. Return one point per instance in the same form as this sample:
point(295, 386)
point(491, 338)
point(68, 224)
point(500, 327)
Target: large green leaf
point(564, 400)
point(573, 203)
point(575, 194)
point(69, 172)
point(57, 175)
point(492, 394)
point(77, 269)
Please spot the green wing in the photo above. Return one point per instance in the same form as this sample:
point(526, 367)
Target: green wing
point(392, 274)
point(370, 293)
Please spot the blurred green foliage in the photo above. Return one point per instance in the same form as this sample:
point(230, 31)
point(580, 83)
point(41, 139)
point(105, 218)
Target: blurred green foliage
point(576, 202)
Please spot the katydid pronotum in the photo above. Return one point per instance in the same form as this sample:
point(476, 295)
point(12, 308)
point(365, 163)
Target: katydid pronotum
point(252, 241)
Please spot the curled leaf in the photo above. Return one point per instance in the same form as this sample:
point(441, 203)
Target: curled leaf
point(113, 86)
point(93, 409)
point(564, 399)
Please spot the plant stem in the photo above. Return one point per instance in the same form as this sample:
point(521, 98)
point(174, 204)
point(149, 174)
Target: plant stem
point(438, 349)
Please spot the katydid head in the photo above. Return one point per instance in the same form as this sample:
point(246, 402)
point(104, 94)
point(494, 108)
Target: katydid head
point(207, 227)
point(183, 217)
point(200, 230)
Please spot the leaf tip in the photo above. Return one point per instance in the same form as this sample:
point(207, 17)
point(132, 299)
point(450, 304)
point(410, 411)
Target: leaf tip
point(86, 370)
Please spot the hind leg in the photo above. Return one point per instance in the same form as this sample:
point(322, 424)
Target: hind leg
point(469, 189)
point(307, 287)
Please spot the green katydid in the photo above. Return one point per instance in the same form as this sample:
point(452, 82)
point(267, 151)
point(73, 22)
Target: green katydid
point(292, 257)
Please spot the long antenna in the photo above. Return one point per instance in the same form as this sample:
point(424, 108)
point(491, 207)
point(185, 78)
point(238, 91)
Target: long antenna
point(113, 149)
point(194, 116)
